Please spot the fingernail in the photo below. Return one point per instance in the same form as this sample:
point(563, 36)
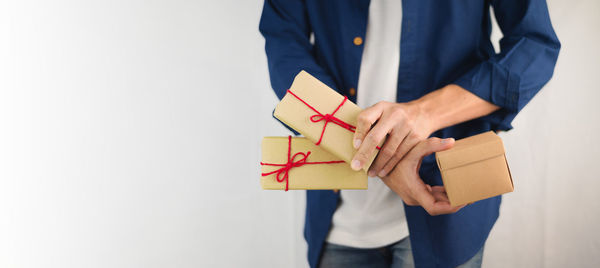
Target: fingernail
point(372, 173)
point(382, 173)
point(447, 140)
point(355, 165)
point(357, 143)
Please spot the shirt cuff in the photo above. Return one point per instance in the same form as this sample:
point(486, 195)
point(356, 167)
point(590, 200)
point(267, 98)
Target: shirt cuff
point(493, 83)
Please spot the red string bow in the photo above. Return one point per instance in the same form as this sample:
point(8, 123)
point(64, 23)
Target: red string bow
point(291, 163)
point(326, 117)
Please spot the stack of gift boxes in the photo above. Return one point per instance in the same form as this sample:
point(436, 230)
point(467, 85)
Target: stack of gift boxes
point(320, 159)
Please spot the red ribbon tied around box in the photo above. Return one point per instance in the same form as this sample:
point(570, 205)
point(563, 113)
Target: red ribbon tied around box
point(328, 117)
point(292, 163)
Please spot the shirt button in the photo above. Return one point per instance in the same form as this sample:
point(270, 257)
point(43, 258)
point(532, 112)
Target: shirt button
point(352, 91)
point(358, 40)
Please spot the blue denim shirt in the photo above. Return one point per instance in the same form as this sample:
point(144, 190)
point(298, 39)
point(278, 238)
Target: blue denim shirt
point(442, 42)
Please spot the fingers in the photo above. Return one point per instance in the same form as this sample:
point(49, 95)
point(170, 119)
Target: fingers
point(439, 193)
point(395, 183)
point(370, 142)
point(409, 142)
point(440, 208)
point(434, 200)
point(428, 147)
point(365, 120)
point(387, 154)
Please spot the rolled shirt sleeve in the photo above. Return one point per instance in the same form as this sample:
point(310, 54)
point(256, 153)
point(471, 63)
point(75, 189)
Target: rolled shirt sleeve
point(528, 54)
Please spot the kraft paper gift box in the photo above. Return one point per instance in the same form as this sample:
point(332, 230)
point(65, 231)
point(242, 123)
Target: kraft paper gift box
point(331, 121)
point(310, 167)
point(475, 168)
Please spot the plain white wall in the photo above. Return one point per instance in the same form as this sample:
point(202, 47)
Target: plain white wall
point(130, 132)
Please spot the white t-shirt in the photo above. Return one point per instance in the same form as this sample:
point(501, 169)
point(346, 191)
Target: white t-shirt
point(374, 217)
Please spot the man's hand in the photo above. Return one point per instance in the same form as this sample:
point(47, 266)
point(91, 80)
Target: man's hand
point(404, 124)
point(405, 181)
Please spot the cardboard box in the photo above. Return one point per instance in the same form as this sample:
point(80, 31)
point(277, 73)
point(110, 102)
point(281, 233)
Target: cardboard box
point(475, 169)
point(310, 167)
point(336, 135)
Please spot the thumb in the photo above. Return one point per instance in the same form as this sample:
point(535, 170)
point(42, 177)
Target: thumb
point(429, 146)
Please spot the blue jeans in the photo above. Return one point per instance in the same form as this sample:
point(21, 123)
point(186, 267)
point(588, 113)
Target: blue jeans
point(397, 255)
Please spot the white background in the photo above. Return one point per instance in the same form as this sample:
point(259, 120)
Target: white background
point(130, 132)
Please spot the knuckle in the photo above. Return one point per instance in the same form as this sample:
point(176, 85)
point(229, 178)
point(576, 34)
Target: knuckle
point(362, 118)
point(432, 141)
point(362, 156)
point(381, 103)
point(399, 113)
point(372, 138)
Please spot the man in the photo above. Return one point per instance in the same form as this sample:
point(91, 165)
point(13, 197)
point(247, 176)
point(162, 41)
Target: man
point(426, 68)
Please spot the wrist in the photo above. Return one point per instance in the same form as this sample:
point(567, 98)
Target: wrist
point(426, 114)
point(438, 104)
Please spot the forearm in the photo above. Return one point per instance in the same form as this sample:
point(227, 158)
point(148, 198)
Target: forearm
point(452, 105)
point(406, 124)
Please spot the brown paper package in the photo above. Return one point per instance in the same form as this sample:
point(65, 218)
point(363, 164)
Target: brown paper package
point(475, 168)
point(294, 113)
point(309, 176)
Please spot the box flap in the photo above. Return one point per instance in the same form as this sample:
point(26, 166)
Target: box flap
point(469, 150)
